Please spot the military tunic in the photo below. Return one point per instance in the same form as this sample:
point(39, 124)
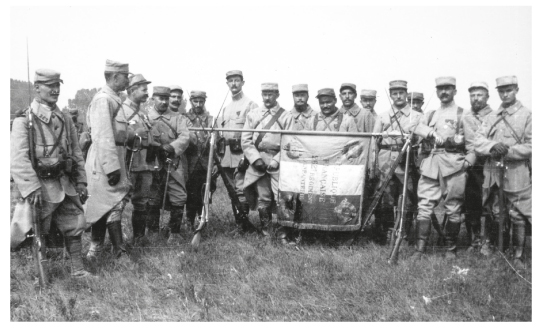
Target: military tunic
point(302, 116)
point(517, 183)
point(362, 120)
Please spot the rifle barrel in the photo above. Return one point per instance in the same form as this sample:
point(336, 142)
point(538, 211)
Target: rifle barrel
point(311, 133)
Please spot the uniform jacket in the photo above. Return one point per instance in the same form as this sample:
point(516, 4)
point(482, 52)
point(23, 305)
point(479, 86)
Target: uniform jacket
point(444, 122)
point(358, 119)
point(471, 123)
point(269, 148)
point(304, 115)
point(199, 141)
point(324, 123)
point(24, 176)
point(234, 116)
point(107, 123)
point(139, 119)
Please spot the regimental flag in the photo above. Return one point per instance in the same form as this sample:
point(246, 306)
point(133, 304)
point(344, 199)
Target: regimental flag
point(321, 182)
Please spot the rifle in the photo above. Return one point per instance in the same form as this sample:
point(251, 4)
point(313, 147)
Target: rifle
point(503, 212)
point(38, 246)
point(169, 163)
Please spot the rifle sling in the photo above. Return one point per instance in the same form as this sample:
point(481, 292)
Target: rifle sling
point(269, 125)
point(56, 139)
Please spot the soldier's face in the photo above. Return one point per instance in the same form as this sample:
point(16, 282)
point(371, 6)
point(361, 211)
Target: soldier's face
point(446, 93)
point(347, 96)
point(140, 94)
point(197, 104)
point(508, 94)
point(368, 102)
point(416, 104)
point(327, 105)
point(300, 99)
point(121, 81)
point(161, 102)
point(235, 84)
point(270, 98)
point(175, 100)
point(48, 93)
point(479, 98)
point(399, 97)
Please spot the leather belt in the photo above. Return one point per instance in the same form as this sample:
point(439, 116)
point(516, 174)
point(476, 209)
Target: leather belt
point(391, 147)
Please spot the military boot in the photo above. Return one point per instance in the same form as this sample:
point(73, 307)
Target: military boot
point(452, 232)
point(519, 245)
point(74, 248)
point(191, 214)
point(175, 224)
point(115, 235)
point(152, 222)
point(245, 224)
point(138, 221)
point(423, 230)
point(98, 237)
point(265, 215)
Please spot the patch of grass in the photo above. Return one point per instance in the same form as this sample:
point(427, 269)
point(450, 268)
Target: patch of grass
point(246, 278)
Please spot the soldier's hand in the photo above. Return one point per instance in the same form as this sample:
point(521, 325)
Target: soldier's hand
point(142, 133)
point(500, 150)
point(214, 170)
point(82, 191)
point(466, 165)
point(35, 197)
point(168, 149)
point(259, 165)
point(274, 166)
point(114, 178)
point(438, 139)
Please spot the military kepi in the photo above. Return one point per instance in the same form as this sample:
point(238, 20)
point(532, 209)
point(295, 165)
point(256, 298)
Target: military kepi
point(176, 88)
point(395, 84)
point(348, 85)
point(234, 73)
point(162, 90)
point(269, 87)
point(47, 77)
point(115, 66)
point(479, 84)
point(507, 80)
point(138, 79)
point(300, 88)
point(445, 81)
point(195, 94)
point(416, 96)
point(326, 92)
point(368, 93)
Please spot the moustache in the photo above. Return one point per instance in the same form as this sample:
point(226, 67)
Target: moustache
point(55, 94)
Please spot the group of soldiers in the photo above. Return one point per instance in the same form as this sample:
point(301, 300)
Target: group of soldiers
point(151, 158)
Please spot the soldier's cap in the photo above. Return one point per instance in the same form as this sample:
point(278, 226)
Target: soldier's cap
point(161, 90)
point(137, 79)
point(269, 87)
point(368, 93)
point(479, 84)
point(234, 73)
point(73, 111)
point(396, 84)
point(326, 92)
point(47, 77)
point(195, 94)
point(416, 96)
point(348, 85)
point(445, 81)
point(176, 88)
point(300, 88)
point(506, 80)
point(115, 66)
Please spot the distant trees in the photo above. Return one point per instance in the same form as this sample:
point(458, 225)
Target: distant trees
point(20, 94)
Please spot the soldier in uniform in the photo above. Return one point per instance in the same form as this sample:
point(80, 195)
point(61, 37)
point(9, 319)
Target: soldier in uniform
point(176, 103)
point(197, 154)
point(56, 182)
point(263, 151)
point(234, 116)
point(368, 99)
point(363, 120)
point(74, 113)
point(444, 171)
point(108, 184)
point(169, 130)
point(140, 163)
point(507, 133)
point(301, 110)
point(416, 101)
point(399, 119)
point(472, 120)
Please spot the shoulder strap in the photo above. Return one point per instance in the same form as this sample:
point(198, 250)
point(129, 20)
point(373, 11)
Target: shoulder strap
point(258, 122)
point(339, 120)
point(133, 114)
point(495, 124)
point(514, 134)
point(459, 115)
point(268, 126)
point(170, 126)
point(315, 121)
point(430, 117)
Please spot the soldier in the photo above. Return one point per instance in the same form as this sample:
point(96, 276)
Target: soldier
point(140, 163)
point(444, 171)
point(368, 98)
point(363, 120)
point(301, 110)
point(507, 133)
point(197, 154)
point(170, 132)
point(416, 101)
point(398, 119)
point(472, 120)
point(74, 113)
point(176, 102)
point(263, 151)
point(108, 184)
point(234, 116)
point(56, 181)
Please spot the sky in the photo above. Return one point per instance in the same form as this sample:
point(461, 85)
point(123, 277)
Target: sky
point(323, 46)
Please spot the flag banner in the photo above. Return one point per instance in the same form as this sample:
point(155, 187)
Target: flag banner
point(321, 182)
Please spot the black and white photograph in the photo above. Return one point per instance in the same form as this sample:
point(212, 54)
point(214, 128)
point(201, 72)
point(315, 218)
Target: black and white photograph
point(284, 161)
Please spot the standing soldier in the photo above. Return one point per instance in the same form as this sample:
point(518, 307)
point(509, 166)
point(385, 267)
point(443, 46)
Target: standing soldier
point(197, 154)
point(399, 119)
point(507, 133)
point(472, 120)
point(108, 184)
point(56, 182)
point(416, 101)
point(169, 130)
point(139, 163)
point(444, 171)
point(234, 116)
point(74, 113)
point(301, 111)
point(363, 120)
point(368, 98)
point(176, 102)
point(263, 151)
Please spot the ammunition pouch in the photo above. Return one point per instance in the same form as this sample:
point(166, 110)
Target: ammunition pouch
point(243, 164)
point(426, 146)
point(235, 145)
point(220, 146)
point(452, 147)
point(50, 168)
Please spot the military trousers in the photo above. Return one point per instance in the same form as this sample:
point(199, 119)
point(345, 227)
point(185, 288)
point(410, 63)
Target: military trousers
point(450, 188)
point(491, 202)
point(195, 192)
point(472, 206)
point(67, 215)
point(267, 188)
point(238, 178)
point(176, 189)
point(141, 190)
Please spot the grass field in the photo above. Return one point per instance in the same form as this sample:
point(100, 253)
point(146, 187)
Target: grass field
point(245, 278)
